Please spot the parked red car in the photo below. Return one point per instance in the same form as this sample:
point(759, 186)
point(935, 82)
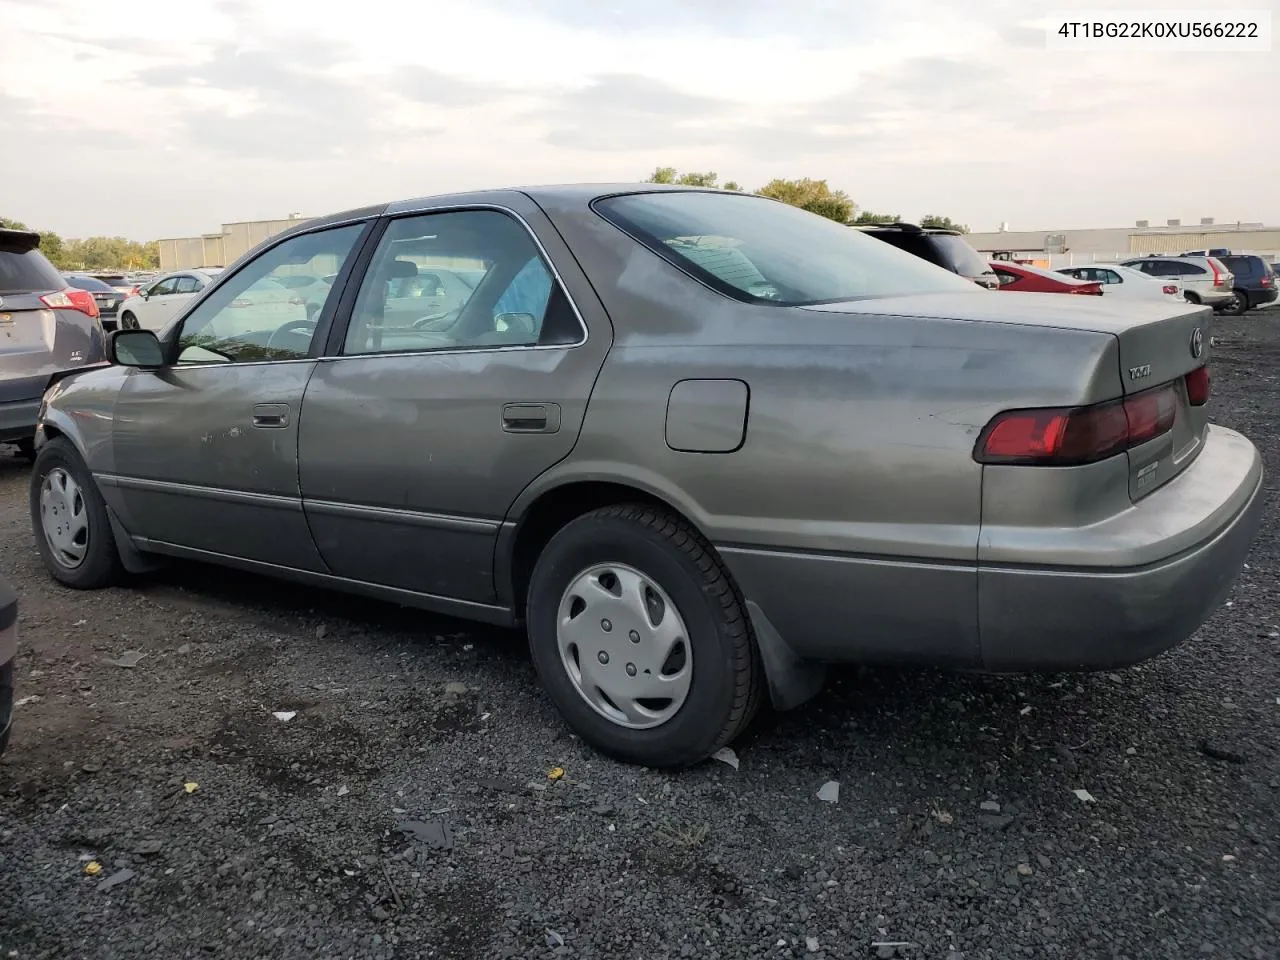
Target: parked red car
point(1025, 278)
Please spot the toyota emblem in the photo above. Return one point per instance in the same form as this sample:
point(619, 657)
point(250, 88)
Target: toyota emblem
point(1197, 342)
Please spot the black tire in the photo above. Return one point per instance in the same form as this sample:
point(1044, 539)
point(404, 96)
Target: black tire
point(728, 679)
point(1239, 306)
point(1191, 297)
point(128, 321)
point(101, 565)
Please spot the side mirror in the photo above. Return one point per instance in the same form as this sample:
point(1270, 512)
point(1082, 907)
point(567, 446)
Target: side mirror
point(135, 348)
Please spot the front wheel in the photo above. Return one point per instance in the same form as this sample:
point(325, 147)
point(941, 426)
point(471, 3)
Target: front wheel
point(128, 321)
point(69, 519)
point(640, 638)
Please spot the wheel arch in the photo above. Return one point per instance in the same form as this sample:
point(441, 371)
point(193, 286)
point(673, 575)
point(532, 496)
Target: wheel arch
point(556, 499)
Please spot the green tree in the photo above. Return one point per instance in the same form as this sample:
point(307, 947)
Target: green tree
point(93, 253)
point(816, 196)
point(867, 217)
point(943, 223)
point(670, 175)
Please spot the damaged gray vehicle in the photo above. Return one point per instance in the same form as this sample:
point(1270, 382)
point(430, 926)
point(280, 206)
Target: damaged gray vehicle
point(698, 444)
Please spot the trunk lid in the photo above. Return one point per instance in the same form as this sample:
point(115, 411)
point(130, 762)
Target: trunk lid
point(26, 326)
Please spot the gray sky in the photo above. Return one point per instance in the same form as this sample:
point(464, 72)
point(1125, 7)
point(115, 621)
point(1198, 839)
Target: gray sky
point(150, 118)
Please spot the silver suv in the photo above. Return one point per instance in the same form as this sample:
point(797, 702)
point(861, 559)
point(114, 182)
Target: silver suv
point(1204, 280)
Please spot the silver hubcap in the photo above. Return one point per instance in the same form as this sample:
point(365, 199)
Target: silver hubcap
point(64, 517)
point(625, 646)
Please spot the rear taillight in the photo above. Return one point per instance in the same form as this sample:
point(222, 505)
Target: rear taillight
point(1198, 386)
point(1088, 290)
point(72, 299)
point(1065, 437)
point(1267, 280)
point(1217, 274)
point(133, 291)
point(1171, 289)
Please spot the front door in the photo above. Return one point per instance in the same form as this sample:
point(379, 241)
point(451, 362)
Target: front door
point(420, 433)
point(206, 450)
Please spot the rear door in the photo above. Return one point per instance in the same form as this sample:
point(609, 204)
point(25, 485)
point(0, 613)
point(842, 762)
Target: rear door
point(416, 437)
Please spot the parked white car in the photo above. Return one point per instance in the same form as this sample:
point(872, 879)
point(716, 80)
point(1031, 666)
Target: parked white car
point(158, 301)
point(1118, 281)
point(1204, 279)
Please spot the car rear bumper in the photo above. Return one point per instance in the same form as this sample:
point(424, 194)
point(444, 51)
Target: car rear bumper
point(1262, 296)
point(1154, 574)
point(1203, 522)
point(18, 419)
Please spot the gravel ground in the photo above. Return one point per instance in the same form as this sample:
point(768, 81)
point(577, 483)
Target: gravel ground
point(957, 832)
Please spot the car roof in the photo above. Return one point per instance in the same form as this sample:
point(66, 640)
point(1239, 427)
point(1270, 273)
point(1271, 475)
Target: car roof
point(561, 192)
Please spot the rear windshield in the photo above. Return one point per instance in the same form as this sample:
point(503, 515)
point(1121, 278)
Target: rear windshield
point(1244, 266)
point(961, 257)
point(27, 272)
point(88, 283)
point(761, 251)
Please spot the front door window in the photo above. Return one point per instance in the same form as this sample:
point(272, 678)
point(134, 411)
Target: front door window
point(255, 316)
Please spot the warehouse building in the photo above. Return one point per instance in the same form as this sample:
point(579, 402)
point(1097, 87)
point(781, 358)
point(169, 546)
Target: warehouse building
point(1064, 248)
point(222, 248)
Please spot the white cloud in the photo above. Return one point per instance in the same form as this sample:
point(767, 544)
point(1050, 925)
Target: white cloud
point(149, 118)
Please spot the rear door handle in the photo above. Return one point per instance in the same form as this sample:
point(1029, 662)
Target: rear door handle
point(531, 417)
point(270, 415)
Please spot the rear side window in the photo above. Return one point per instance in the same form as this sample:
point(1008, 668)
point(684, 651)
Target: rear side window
point(1180, 269)
point(27, 272)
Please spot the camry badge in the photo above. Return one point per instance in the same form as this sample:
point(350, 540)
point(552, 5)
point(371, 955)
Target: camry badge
point(1197, 342)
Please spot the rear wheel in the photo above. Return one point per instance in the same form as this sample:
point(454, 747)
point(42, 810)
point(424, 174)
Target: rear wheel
point(69, 519)
point(1191, 297)
point(1238, 305)
point(128, 321)
point(640, 638)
